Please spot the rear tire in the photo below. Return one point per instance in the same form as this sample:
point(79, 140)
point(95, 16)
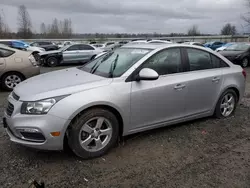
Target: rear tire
point(245, 63)
point(52, 62)
point(226, 104)
point(89, 139)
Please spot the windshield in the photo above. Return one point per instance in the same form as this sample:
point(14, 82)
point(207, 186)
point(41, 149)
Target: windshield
point(116, 62)
point(238, 47)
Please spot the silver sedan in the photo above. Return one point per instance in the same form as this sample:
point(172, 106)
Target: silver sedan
point(128, 90)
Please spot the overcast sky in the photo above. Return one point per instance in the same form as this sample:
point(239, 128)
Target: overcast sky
point(131, 16)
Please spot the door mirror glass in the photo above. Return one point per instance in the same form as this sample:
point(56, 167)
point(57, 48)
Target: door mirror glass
point(147, 74)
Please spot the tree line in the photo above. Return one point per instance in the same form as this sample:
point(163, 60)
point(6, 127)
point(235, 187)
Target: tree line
point(227, 29)
point(57, 29)
point(63, 29)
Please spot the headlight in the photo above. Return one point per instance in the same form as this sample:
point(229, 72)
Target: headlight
point(42, 49)
point(40, 107)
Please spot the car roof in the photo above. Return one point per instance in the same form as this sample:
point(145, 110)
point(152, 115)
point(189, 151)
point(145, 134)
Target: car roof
point(148, 45)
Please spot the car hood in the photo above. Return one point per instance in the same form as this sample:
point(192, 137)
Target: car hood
point(50, 52)
point(58, 83)
point(231, 53)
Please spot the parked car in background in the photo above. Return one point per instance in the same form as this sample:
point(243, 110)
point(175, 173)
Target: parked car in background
point(159, 42)
point(194, 43)
point(224, 46)
point(75, 53)
point(65, 43)
point(238, 53)
point(45, 44)
point(107, 46)
point(15, 66)
point(17, 44)
point(128, 90)
point(214, 45)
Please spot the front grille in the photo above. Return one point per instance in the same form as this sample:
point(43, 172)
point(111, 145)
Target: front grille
point(9, 109)
point(15, 96)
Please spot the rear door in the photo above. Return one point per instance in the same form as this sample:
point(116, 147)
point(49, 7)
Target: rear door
point(86, 52)
point(72, 53)
point(204, 81)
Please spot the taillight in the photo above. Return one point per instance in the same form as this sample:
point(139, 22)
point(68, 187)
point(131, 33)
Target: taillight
point(244, 73)
point(32, 60)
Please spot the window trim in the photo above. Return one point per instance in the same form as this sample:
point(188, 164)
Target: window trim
point(188, 64)
point(132, 76)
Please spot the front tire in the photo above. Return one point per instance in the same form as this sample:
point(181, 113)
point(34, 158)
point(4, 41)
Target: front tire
point(10, 80)
point(226, 104)
point(52, 62)
point(93, 133)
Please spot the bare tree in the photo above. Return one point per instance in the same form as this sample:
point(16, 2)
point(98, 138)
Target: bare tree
point(228, 29)
point(193, 31)
point(1, 26)
point(24, 23)
point(43, 29)
point(67, 28)
point(55, 28)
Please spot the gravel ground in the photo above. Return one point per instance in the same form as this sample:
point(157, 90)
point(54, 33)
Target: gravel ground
point(203, 153)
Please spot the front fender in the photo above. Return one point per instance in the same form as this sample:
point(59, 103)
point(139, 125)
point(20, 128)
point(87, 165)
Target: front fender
point(115, 96)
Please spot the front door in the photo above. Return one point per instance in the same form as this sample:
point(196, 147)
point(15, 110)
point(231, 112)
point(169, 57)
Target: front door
point(161, 100)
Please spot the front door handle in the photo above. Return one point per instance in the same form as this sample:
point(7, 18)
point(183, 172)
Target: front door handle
point(1, 63)
point(216, 79)
point(179, 86)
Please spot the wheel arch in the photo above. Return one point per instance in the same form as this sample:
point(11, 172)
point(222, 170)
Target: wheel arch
point(8, 72)
point(110, 108)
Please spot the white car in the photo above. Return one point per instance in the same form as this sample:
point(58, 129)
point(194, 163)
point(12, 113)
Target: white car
point(194, 43)
point(159, 42)
point(224, 47)
point(65, 43)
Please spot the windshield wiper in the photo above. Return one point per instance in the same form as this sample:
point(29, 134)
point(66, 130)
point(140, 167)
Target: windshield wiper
point(113, 66)
point(96, 65)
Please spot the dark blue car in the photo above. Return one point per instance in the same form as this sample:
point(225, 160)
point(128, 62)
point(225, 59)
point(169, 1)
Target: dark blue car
point(214, 45)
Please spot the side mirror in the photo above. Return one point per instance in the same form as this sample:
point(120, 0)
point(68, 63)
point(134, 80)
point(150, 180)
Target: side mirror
point(147, 74)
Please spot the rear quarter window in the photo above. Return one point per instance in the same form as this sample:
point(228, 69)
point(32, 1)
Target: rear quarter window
point(217, 62)
point(5, 53)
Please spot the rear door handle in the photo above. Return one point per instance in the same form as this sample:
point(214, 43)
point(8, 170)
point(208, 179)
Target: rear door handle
point(1, 63)
point(179, 86)
point(215, 79)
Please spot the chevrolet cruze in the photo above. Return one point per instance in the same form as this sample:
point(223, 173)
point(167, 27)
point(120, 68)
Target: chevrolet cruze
point(131, 89)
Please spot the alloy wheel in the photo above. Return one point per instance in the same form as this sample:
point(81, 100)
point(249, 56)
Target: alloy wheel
point(11, 81)
point(95, 134)
point(227, 104)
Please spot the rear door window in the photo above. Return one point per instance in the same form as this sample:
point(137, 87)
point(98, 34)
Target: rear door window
point(85, 47)
point(198, 59)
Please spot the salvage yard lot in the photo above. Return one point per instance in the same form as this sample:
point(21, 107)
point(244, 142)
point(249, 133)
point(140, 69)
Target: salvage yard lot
point(202, 153)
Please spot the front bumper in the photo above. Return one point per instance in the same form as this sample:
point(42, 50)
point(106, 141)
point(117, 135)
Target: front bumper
point(43, 124)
